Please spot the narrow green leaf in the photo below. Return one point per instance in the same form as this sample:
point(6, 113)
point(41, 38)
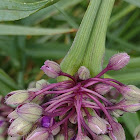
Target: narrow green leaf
point(128, 78)
point(8, 81)
point(52, 50)
point(121, 14)
point(131, 121)
point(126, 45)
point(45, 13)
point(15, 9)
point(134, 2)
point(23, 30)
point(4, 89)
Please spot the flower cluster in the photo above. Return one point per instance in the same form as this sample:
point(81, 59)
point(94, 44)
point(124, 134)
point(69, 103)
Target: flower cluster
point(75, 109)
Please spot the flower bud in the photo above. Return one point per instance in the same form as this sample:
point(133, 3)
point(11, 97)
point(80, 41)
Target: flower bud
point(103, 137)
point(130, 92)
point(38, 134)
point(117, 113)
point(102, 88)
point(41, 84)
point(51, 137)
point(82, 137)
point(83, 73)
point(71, 133)
point(129, 106)
point(118, 61)
point(117, 132)
point(17, 97)
point(137, 133)
point(30, 112)
point(60, 137)
point(51, 69)
point(19, 127)
point(35, 99)
point(13, 115)
point(73, 118)
point(97, 125)
point(13, 138)
point(32, 84)
point(56, 131)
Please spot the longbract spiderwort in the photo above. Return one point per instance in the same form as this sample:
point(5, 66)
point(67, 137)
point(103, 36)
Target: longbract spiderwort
point(76, 109)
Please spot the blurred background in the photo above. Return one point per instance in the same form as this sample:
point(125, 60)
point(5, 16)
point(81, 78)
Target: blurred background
point(25, 45)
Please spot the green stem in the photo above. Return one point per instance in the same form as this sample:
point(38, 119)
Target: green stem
point(89, 44)
point(94, 56)
point(73, 59)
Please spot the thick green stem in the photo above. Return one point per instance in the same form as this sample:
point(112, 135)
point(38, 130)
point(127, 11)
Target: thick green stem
point(96, 47)
point(89, 44)
point(74, 58)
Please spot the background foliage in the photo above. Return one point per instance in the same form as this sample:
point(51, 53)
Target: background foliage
point(48, 34)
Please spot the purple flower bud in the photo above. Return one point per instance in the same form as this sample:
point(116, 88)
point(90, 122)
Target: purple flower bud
point(128, 105)
point(19, 127)
point(46, 121)
point(118, 61)
point(130, 92)
point(137, 133)
point(102, 88)
point(117, 132)
point(51, 69)
point(17, 97)
point(30, 112)
point(97, 125)
point(38, 134)
point(56, 131)
point(83, 73)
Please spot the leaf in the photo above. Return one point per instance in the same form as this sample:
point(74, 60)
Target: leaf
point(6, 83)
point(128, 78)
point(121, 14)
point(52, 50)
point(45, 13)
point(4, 89)
point(131, 121)
point(134, 2)
point(23, 30)
point(17, 9)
